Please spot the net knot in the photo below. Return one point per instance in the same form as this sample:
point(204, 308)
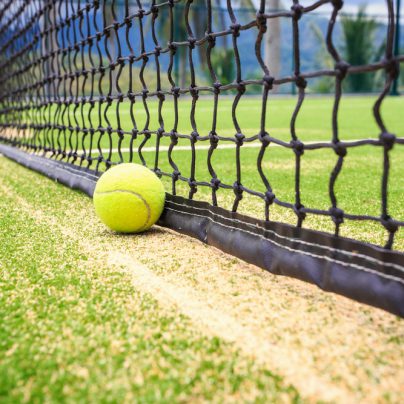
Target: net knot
point(106, 32)
point(131, 96)
point(239, 138)
point(120, 133)
point(194, 137)
point(145, 93)
point(157, 50)
point(173, 47)
point(191, 42)
point(98, 36)
point(134, 133)
point(298, 147)
point(141, 13)
point(214, 139)
point(337, 4)
point(392, 67)
point(160, 132)
point(211, 39)
point(261, 22)
point(268, 82)
point(192, 186)
point(241, 87)
point(174, 138)
point(337, 215)
point(194, 92)
point(342, 69)
point(128, 22)
point(269, 197)
point(119, 97)
point(91, 130)
point(297, 11)
point(388, 140)
point(300, 82)
point(215, 183)
point(339, 149)
point(96, 4)
point(264, 138)
point(238, 190)
point(176, 91)
point(160, 95)
point(176, 175)
point(298, 209)
point(235, 29)
point(389, 224)
point(216, 87)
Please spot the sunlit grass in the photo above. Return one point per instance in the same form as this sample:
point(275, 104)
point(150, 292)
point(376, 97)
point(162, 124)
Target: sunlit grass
point(357, 189)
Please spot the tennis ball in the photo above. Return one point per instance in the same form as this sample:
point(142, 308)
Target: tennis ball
point(129, 198)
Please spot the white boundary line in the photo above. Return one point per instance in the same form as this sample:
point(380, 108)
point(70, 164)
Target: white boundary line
point(253, 145)
point(181, 148)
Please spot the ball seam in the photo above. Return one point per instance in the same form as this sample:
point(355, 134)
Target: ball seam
point(133, 193)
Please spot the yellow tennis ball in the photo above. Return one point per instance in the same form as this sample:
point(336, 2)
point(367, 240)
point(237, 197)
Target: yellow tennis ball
point(129, 198)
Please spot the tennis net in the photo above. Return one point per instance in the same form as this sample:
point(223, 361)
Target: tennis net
point(85, 85)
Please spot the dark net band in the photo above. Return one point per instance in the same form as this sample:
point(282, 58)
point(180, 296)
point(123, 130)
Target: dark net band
point(62, 65)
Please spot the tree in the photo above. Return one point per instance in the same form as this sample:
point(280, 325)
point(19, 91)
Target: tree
point(273, 40)
point(359, 47)
point(323, 59)
point(197, 20)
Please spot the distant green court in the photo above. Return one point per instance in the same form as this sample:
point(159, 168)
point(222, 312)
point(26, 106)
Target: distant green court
point(358, 186)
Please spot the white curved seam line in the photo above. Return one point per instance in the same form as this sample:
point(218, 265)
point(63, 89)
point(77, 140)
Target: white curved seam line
point(133, 193)
point(300, 251)
point(371, 259)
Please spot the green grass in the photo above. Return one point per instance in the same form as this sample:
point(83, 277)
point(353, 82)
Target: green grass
point(358, 186)
point(74, 328)
point(314, 121)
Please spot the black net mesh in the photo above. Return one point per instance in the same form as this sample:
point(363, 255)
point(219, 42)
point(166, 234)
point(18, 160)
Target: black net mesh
point(97, 83)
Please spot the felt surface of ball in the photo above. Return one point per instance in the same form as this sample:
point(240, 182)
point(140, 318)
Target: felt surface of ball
point(129, 198)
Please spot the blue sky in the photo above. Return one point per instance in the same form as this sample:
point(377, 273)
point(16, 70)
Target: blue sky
point(373, 6)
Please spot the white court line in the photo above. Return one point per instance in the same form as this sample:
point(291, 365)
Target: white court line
point(255, 145)
point(183, 148)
